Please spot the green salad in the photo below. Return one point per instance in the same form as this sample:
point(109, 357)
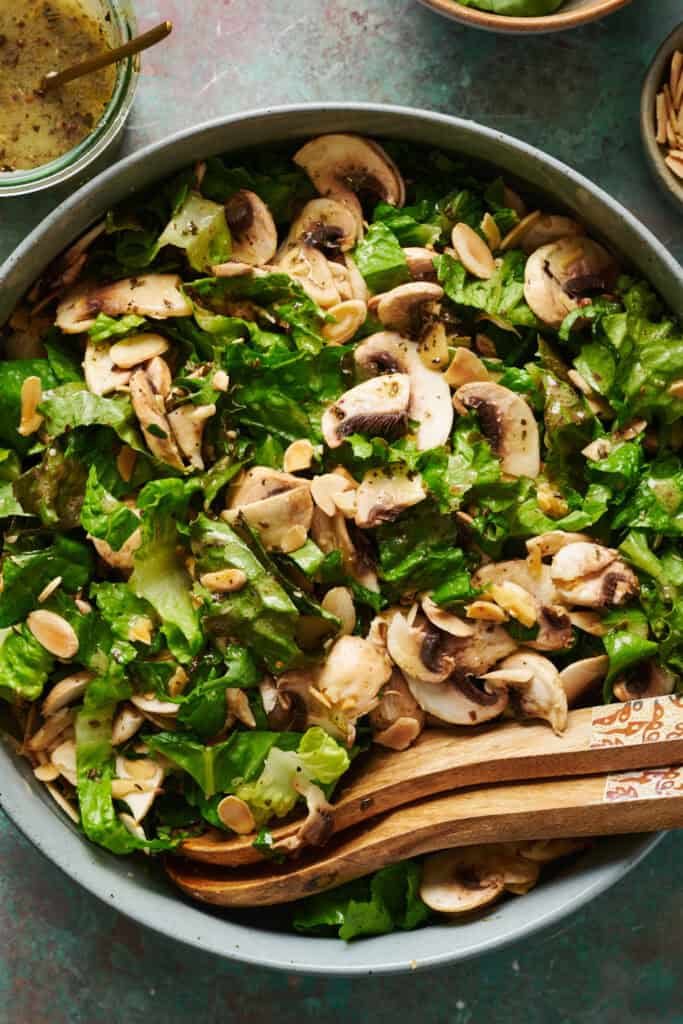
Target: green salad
point(310, 450)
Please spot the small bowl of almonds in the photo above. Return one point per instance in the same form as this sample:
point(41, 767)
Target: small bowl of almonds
point(661, 116)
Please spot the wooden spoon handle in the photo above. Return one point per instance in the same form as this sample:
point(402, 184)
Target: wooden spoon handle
point(638, 734)
point(640, 801)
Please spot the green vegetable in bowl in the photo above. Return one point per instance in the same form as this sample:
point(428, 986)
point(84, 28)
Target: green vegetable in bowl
point(515, 8)
point(318, 441)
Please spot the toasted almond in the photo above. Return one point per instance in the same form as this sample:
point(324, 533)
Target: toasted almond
point(235, 814)
point(492, 232)
point(324, 488)
point(136, 349)
point(46, 772)
point(580, 382)
point(515, 600)
point(339, 602)
point(676, 389)
point(515, 235)
point(178, 681)
point(220, 380)
point(678, 95)
point(472, 251)
point(140, 770)
point(49, 589)
point(52, 729)
point(63, 757)
point(509, 675)
point(238, 705)
point(661, 116)
point(298, 456)
point(348, 317)
point(54, 633)
point(66, 691)
point(233, 268)
point(589, 622)
point(132, 826)
point(466, 368)
point(674, 165)
point(84, 607)
point(514, 201)
point(62, 802)
point(126, 723)
point(486, 610)
point(141, 629)
point(224, 581)
point(150, 703)
point(292, 539)
point(433, 347)
point(125, 462)
point(31, 397)
point(121, 788)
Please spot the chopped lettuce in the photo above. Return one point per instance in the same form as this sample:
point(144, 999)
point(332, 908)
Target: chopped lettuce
point(502, 295)
point(24, 665)
point(200, 228)
point(30, 563)
point(203, 708)
point(420, 551)
point(53, 489)
point(13, 373)
point(104, 516)
point(380, 259)
point(109, 328)
point(128, 616)
point(72, 405)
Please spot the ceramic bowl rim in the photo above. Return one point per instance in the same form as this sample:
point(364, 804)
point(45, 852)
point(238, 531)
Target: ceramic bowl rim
point(671, 186)
point(558, 22)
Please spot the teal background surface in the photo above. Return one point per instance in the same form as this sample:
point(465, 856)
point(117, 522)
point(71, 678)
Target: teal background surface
point(67, 959)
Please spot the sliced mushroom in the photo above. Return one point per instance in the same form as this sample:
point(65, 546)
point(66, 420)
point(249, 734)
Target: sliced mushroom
point(137, 349)
point(378, 407)
point(541, 694)
point(187, 423)
point(592, 576)
point(349, 316)
point(647, 680)
point(445, 620)
point(550, 543)
point(313, 272)
point(543, 851)
point(258, 483)
point(421, 652)
point(331, 533)
point(157, 296)
point(397, 720)
point(352, 676)
point(341, 166)
point(548, 228)
point(420, 263)
point(459, 701)
point(430, 402)
point(151, 704)
point(508, 424)
point(384, 494)
point(253, 231)
point(557, 275)
point(554, 625)
point(466, 368)
point(402, 308)
point(579, 678)
point(283, 520)
point(459, 881)
point(149, 409)
point(325, 224)
point(101, 376)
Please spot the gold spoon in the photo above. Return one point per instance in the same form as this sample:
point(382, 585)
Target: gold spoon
point(53, 79)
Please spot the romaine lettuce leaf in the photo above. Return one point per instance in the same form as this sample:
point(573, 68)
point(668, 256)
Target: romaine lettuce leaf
point(29, 564)
point(13, 373)
point(53, 490)
point(502, 295)
point(200, 228)
point(380, 259)
point(108, 328)
point(24, 665)
point(104, 516)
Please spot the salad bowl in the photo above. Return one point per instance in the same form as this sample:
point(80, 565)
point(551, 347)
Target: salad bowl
point(137, 887)
point(571, 14)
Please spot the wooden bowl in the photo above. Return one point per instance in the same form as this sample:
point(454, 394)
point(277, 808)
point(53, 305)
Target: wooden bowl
point(671, 186)
point(572, 14)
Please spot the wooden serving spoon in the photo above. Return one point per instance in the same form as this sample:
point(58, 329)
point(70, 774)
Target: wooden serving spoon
point(637, 734)
point(640, 801)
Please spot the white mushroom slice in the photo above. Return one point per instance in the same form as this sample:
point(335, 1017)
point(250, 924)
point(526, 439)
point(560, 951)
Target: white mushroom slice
point(397, 720)
point(136, 349)
point(648, 680)
point(543, 696)
point(123, 558)
point(555, 632)
point(508, 424)
point(473, 252)
point(384, 494)
point(459, 881)
point(420, 263)
point(63, 757)
point(557, 275)
point(593, 576)
point(466, 368)
point(101, 376)
point(147, 776)
point(148, 406)
point(325, 224)
point(376, 407)
point(343, 165)
point(579, 677)
point(126, 723)
point(149, 702)
point(547, 228)
point(401, 309)
point(458, 703)
point(276, 518)
point(260, 482)
point(543, 851)
point(430, 399)
point(331, 533)
point(349, 316)
point(66, 691)
point(353, 674)
point(444, 620)
point(157, 296)
point(582, 558)
point(410, 648)
point(187, 423)
point(311, 269)
point(550, 543)
point(338, 601)
point(252, 228)
point(590, 622)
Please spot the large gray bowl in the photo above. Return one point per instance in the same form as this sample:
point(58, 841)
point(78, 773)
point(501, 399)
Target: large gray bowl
point(137, 887)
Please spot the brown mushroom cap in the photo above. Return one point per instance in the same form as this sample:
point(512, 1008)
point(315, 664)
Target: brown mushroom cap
point(383, 495)
point(508, 424)
point(401, 308)
point(253, 231)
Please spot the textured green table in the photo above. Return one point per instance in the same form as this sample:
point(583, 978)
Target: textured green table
point(66, 958)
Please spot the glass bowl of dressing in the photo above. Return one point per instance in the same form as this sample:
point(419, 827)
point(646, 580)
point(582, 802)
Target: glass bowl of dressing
point(47, 138)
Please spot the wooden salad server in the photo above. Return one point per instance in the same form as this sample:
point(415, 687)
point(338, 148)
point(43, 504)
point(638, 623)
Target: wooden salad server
point(644, 800)
point(617, 737)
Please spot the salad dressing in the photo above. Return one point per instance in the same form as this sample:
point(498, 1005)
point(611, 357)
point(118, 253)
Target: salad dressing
point(38, 36)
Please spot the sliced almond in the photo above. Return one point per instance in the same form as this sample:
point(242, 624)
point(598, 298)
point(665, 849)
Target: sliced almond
point(445, 620)
point(515, 600)
point(220, 380)
point(473, 252)
point(676, 389)
point(136, 349)
point(339, 602)
point(52, 729)
point(66, 691)
point(46, 772)
point(63, 803)
point(125, 462)
point(238, 705)
point(675, 165)
point(515, 236)
point(141, 630)
point(298, 456)
point(324, 488)
point(492, 232)
point(485, 610)
point(54, 633)
point(49, 589)
point(292, 539)
point(142, 770)
point(126, 723)
point(63, 757)
point(661, 118)
point(466, 368)
point(31, 397)
point(348, 317)
point(235, 814)
point(224, 581)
